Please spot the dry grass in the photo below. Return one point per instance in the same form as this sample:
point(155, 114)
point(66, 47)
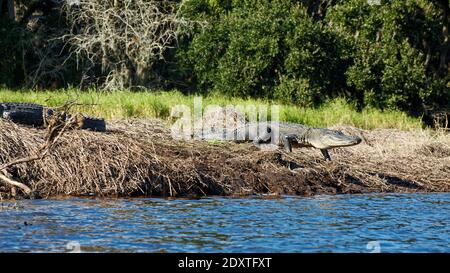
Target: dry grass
point(136, 158)
point(397, 160)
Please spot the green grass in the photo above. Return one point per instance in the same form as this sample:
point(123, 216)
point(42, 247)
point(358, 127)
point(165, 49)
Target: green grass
point(126, 104)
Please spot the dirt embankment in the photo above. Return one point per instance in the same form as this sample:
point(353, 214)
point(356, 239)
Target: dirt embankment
point(140, 158)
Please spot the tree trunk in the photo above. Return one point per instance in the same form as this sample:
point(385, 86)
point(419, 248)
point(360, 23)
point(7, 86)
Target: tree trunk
point(11, 10)
point(1, 7)
point(445, 46)
point(445, 33)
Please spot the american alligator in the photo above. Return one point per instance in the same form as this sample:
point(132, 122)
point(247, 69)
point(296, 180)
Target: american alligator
point(289, 135)
point(33, 114)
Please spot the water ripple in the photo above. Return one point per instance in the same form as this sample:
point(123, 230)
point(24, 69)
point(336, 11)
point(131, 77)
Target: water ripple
point(345, 223)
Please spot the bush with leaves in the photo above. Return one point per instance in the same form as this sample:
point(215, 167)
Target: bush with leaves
point(398, 45)
point(270, 49)
point(315, 62)
point(237, 53)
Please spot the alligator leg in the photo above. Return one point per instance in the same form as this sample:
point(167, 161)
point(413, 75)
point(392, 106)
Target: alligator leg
point(326, 154)
point(264, 137)
point(287, 142)
point(257, 141)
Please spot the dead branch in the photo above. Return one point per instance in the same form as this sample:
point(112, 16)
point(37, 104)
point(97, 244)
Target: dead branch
point(125, 37)
point(14, 183)
point(56, 127)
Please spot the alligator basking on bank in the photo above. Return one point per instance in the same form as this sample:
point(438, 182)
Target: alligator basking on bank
point(36, 114)
point(287, 135)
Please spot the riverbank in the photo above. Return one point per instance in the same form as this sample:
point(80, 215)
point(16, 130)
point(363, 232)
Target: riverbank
point(140, 158)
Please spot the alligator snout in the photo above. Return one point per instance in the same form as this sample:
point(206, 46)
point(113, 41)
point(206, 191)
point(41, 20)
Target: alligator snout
point(342, 140)
point(327, 139)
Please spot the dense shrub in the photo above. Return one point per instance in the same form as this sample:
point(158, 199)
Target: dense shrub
point(315, 61)
point(270, 49)
point(238, 51)
point(391, 55)
point(397, 57)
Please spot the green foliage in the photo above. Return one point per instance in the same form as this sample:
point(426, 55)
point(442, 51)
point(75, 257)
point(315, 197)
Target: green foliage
point(314, 62)
point(264, 49)
point(386, 56)
point(237, 52)
point(395, 61)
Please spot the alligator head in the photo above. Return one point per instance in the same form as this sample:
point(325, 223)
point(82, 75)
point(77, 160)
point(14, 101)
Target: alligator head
point(327, 139)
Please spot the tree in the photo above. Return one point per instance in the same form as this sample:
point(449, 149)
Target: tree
point(273, 49)
point(119, 41)
point(400, 57)
point(8, 6)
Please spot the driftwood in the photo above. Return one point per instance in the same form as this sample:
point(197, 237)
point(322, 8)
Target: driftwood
point(56, 127)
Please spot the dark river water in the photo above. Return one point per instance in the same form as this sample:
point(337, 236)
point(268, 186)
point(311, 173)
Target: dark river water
point(345, 223)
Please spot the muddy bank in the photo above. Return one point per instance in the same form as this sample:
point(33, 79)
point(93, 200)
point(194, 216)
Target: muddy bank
point(139, 158)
